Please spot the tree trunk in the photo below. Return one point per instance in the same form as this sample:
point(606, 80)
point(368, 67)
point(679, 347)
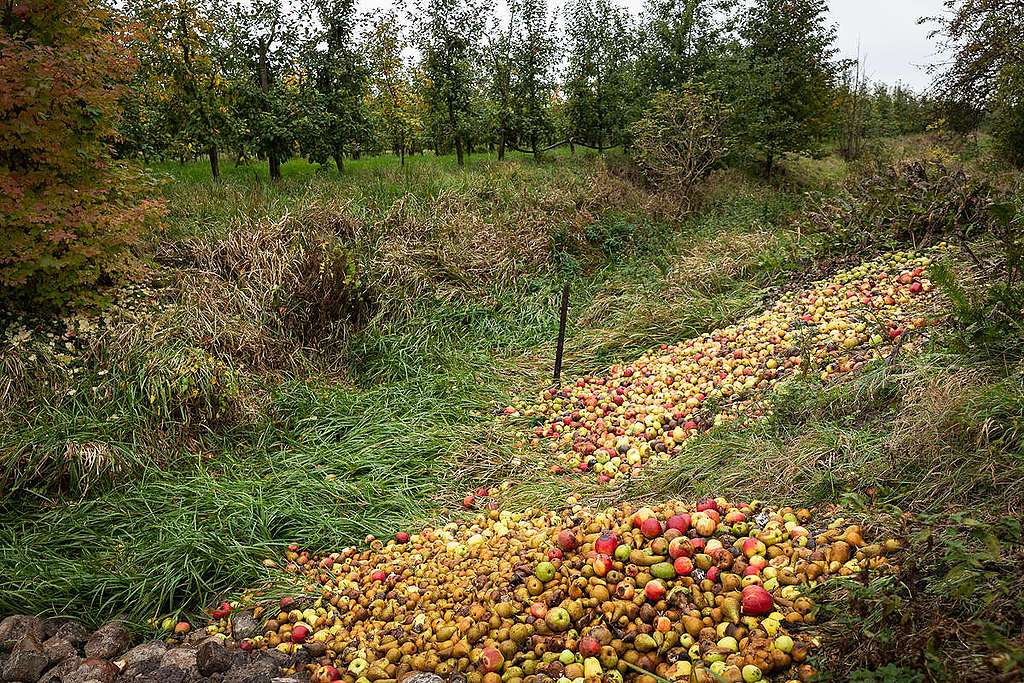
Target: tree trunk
point(572, 147)
point(339, 159)
point(501, 145)
point(533, 146)
point(275, 163)
point(214, 162)
point(458, 150)
point(769, 162)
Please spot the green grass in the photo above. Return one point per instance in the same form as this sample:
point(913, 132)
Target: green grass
point(154, 472)
point(165, 501)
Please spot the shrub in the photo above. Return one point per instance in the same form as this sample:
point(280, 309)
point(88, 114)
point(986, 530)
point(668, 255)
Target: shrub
point(682, 136)
point(918, 202)
point(68, 211)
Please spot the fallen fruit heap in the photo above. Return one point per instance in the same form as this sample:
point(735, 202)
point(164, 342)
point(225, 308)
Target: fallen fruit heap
point(612, 425)
point(704, 592)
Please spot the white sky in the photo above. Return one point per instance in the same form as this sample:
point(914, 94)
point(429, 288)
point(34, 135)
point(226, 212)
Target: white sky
point(893, 46)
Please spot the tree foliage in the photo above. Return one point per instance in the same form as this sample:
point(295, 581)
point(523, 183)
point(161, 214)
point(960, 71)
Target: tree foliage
point(792, 73)
point(600, 82)
point(68, 210)
point(449, 35)
point(681, 136)
point(534, 54)
point(395, 100)
point(183, 93)
point(984, 65)
point(336, 77)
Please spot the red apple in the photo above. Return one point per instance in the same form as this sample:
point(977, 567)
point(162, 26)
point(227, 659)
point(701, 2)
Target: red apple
point(712, 574)
point(468, 502)
point(329, 673)
point(538, 610)
point(245, 646)
point(402, 537)
point(602, 565)
point(567, 540)
point(606, 543)
point(589, 647)
point(287, 604)
point(641, 515)
point(680, 522)
point(655, 590)
point(221, 611)
point(651, 527)
point(378, 575)
point(299, 633)
point(753, 546)
point(757, 601)
point(680, 547)
point(481, 491)
point(554, 553)
point(683, 565)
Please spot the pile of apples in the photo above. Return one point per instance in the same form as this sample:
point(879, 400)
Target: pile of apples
point(706, 591)
point(612, 425)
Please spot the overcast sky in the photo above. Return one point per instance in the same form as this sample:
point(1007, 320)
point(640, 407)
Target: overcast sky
point(893, 47)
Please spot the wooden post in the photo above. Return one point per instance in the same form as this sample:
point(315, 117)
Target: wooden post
point(561, 331)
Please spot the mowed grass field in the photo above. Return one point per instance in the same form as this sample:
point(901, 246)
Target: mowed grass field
point(321, 358)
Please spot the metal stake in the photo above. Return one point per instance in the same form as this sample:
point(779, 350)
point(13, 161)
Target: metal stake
point(561, 331)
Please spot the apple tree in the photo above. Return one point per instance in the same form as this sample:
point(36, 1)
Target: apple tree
point(448, 35)
point(787, 105)
point(337, 82)
point(260, 45)
point(533, 56)
point(600, 81)
point(396, 102)
point(983, 65)
point(180, 89)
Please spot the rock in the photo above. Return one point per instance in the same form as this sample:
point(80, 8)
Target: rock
point(146, 657)
point(165, 674)
point(212, 657)
point(50, 626)
point(74, 633)
point(182, 657)
point(94, 669)
point(58, 649)
point(26, 662)
point(63, 671)
point(423, 677)
point(243, 625)
point(197, 638)
point(259, 672)
point(17, 626)
point(278, 658)
point(108, 641)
